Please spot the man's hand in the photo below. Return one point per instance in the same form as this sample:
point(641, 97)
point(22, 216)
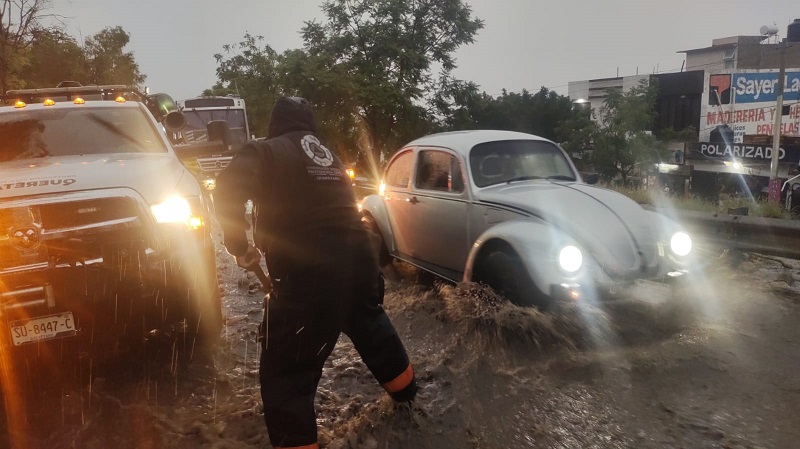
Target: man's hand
point(250, 259)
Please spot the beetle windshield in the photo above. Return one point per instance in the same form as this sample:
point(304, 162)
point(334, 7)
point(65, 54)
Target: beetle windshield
point(78, 131)
point(518, 160)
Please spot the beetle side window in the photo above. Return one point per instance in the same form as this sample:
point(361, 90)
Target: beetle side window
point(399, 172)
point(438, 170)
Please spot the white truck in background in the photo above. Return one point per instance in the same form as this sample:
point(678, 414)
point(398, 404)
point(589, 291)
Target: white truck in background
point(199, 112)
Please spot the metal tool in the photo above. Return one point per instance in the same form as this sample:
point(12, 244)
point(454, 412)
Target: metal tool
point(266, 282)
point(266, 287)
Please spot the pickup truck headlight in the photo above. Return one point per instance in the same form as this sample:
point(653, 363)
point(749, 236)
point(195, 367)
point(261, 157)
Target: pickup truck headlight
point(177, 210)
point(570, 259)
point(681, 244)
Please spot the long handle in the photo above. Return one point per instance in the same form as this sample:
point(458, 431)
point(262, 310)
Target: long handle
point(266, 282)
point(266, 287)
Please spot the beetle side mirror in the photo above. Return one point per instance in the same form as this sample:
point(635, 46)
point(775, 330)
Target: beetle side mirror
point(594, 178)
point(219, 130)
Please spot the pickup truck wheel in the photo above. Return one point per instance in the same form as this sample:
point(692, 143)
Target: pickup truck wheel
point(502, 270)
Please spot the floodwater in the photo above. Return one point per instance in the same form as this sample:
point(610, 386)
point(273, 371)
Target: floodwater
point(716, 368)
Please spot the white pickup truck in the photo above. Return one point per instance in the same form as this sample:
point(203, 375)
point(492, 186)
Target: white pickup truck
point(104, 234)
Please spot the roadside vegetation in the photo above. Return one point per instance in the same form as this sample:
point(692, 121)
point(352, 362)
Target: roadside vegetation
point(726, 205)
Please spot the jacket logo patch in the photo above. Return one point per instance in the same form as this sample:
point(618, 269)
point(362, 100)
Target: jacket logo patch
point(316, 151)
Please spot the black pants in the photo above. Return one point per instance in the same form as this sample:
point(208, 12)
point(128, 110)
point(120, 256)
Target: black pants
point(307, 312)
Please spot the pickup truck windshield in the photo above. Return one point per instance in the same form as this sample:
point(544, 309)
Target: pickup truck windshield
point(28, 134)
point(518, 160)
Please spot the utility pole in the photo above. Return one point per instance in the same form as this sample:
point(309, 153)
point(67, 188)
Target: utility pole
point(774, 180)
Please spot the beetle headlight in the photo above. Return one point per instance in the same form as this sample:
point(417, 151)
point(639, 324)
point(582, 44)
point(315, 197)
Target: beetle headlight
point(176, 210)
point(680, 244)
point(570, 259)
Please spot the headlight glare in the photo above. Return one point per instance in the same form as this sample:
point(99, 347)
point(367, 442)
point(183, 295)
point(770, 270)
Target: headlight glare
point(173, 210)
point(570, 259)
point(681, 244)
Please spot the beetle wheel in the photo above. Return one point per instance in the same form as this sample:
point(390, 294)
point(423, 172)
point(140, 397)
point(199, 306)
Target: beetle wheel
point(503, 272)
point(378, 243)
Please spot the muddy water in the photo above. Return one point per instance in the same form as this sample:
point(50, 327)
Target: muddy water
point(717, 368)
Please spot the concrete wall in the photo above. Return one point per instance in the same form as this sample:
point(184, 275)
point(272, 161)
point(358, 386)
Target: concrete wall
point(595, 91)
point(712, 59)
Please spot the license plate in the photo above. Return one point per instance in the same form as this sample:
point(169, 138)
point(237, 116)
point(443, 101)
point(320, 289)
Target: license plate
point(652, 292)
point(43, 328)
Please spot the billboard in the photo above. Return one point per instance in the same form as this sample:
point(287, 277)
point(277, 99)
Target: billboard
point(740, 103)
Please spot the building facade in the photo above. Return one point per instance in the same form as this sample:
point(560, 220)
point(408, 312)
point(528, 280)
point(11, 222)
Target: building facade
point(727, 94)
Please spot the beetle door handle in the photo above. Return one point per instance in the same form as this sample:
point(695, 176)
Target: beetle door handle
point(412, 200)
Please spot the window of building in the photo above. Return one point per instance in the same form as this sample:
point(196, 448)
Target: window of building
point(730, 58)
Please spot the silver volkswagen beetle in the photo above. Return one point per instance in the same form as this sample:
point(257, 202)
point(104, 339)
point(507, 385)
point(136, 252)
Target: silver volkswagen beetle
point(510, 210)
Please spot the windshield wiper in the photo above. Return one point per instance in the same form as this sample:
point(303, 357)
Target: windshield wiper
point(113, 129)
point(522, 178)
point(561, 178)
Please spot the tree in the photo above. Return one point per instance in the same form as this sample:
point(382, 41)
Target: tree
point(107, 62)
point(540, 113)
point(622, 140)
point(390, 49)
point(53, 48)
point(19, 20)
point(576, 134)
point(249, 69)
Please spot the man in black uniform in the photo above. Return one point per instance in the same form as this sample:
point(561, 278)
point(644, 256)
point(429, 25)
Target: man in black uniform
point(326, 278)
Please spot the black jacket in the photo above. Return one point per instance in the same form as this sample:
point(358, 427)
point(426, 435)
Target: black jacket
point(305, 207)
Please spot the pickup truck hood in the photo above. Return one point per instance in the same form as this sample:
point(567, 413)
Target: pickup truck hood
point(154, 176)
point(620, 235)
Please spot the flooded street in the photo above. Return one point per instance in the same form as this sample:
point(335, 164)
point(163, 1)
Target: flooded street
point(717, 369)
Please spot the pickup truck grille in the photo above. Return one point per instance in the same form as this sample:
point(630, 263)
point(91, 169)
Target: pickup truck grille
point(85, 213)
point(68, 227)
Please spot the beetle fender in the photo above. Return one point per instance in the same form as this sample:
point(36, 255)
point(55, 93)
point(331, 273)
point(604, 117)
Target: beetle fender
point(537, 245)
point(374, 206)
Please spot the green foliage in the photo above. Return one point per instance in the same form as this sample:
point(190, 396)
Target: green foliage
point(757, 208)
point(107, 62)
point(377, 72)
point(390, 49)
point(577, 133)
point(622, 141)
point(688, 135)
point(54, 48)
point(249, 69)
point(541, 113)
point(34, 56)
point(19, 20)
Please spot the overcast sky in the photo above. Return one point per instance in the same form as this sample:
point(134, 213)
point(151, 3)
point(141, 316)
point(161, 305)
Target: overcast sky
point(524, 44)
